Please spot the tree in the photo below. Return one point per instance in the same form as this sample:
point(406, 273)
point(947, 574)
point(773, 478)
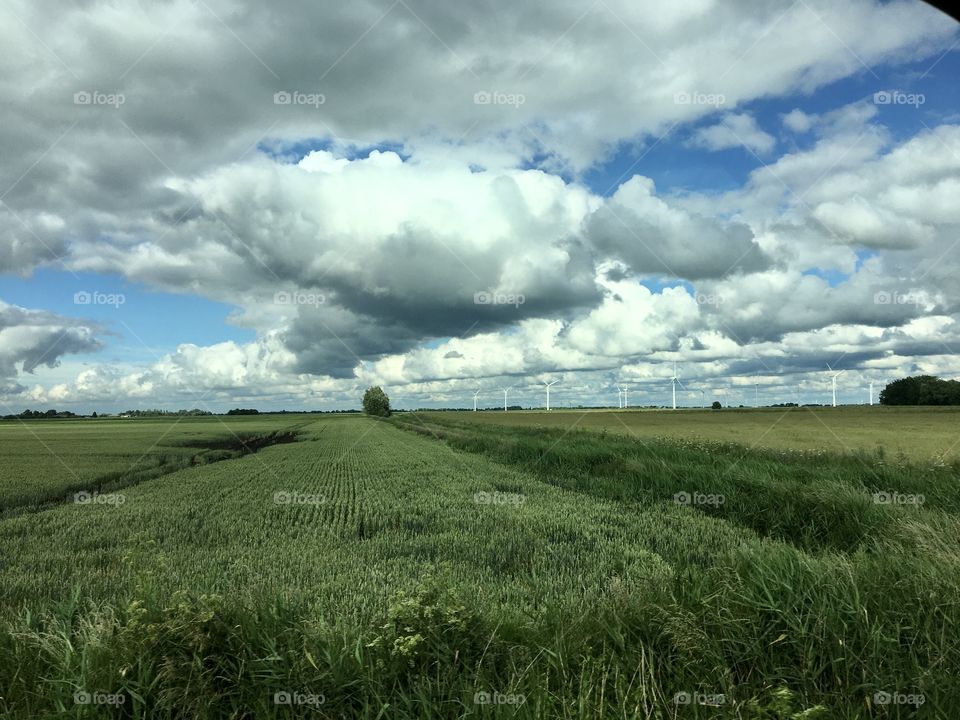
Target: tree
point(716, 405)
point(376, 402)
point(921, 390)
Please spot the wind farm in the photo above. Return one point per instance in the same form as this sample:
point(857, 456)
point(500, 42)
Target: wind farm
point(768, 391)
point(835, 420)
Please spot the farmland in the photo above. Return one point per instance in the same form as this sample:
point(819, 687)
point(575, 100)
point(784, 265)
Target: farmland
point(921, 433)
point(47, 460)
point(440, 565)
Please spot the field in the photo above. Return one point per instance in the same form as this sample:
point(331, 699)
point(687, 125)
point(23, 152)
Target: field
point(44, 461)
point(920, 433)
point(438, 565)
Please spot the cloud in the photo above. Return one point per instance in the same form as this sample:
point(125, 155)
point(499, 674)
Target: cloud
point(860, 223)
point(472, 248)
point(651, 236)
point(734, 130)
point(199, 82)
point(33, 338)
point(798, 121)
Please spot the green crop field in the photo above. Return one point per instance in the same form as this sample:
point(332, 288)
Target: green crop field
point(919, 432)
point(46, 460)
point(438, 565)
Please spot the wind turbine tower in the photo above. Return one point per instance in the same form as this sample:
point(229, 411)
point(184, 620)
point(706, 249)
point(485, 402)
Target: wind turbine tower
point(833, 379)
point(674, 380)
point(505, 391)
point(475, 399)
point(548, 384)
point(871, 392)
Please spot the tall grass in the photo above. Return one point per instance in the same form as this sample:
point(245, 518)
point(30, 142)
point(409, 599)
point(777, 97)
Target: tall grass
point(432, 657)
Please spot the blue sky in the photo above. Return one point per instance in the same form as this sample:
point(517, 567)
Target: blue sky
point(144, 327)
point(676, 167)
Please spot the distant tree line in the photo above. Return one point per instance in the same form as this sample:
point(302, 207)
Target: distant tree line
point(243, 411)
point(307, 412)
point(155, 413)
point(921, 390)
point(40, 415)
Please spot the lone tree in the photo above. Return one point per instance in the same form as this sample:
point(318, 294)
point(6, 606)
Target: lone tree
point(376, 402)
point(716, 405)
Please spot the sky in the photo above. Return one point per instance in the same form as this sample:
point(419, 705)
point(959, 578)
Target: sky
point(224, 204)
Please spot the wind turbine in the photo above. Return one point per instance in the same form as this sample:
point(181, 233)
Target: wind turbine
point(674, 380)
point(475, 399)
point(623, 402)
point(703, 398)
point(756, 391)
point(548, 384)
point(505, 391)
point(833, 379)
point(619, 397)
point(871, 392)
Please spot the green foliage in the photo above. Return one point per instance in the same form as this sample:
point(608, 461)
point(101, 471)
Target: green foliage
point(40, 415)
point(921, 390)
point(716, 405)
point(376, 402)
point(196, 412)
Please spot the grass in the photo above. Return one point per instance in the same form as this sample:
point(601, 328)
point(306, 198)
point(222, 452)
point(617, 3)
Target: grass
point(422, 562)
point(919, 433)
